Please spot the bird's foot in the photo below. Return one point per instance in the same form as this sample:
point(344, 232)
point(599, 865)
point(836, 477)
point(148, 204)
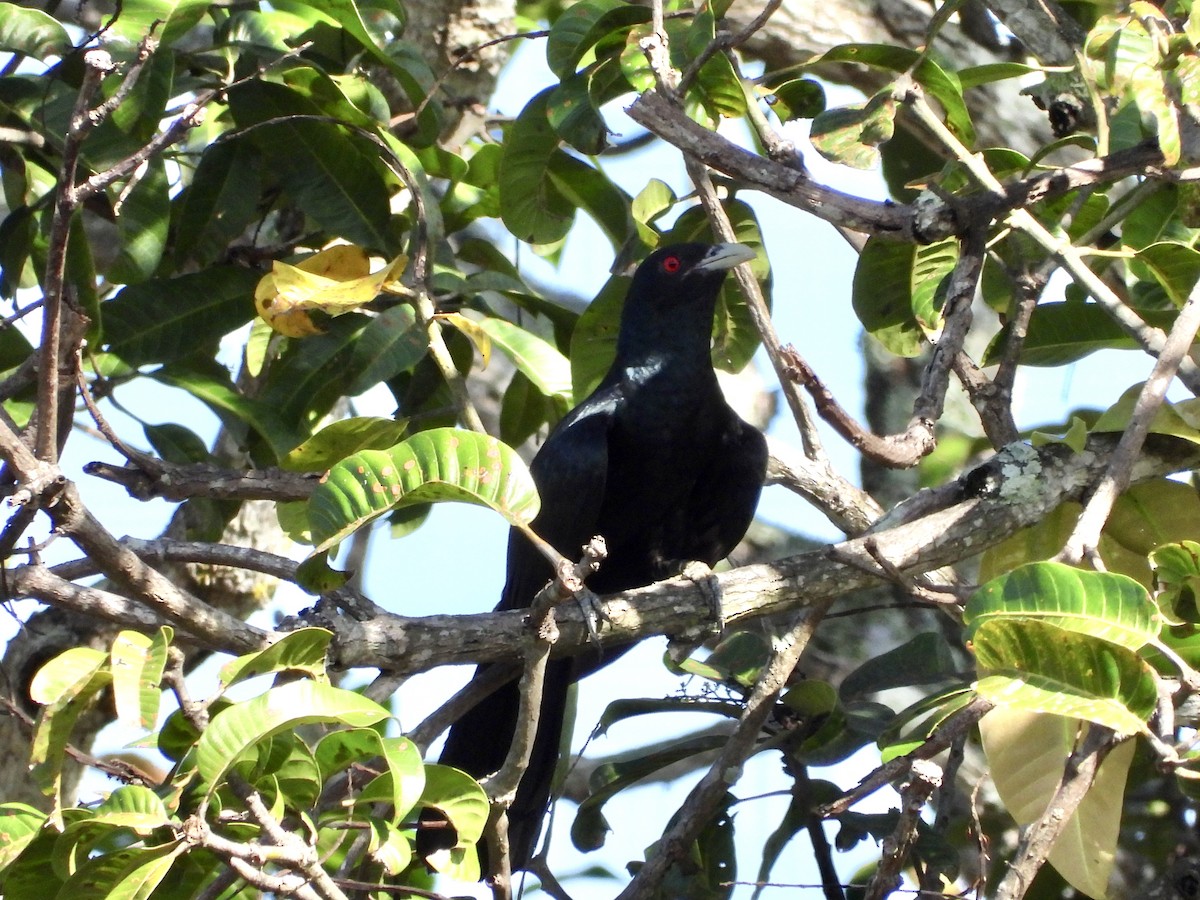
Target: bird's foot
point(683, 645)
point(701, 575)
point(593, 613)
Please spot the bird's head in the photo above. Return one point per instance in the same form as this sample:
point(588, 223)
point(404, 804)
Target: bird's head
point(669, 308)
point(684, 270)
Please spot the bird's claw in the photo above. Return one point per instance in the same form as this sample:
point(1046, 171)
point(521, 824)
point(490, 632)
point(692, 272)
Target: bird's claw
point(593, 613)
point(701, 575)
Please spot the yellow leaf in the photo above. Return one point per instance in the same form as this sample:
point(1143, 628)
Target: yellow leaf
point(335, 281)
point(1026, 752)
point(472, 329)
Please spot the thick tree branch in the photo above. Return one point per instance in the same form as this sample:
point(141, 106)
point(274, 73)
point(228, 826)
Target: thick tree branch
point(928, 220)
point(176, 482)
point(1015, 489)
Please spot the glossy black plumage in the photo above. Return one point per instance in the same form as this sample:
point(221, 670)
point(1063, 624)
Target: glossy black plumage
point(656, 462)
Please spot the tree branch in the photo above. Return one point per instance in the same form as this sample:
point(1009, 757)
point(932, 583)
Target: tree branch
point(1013, 490)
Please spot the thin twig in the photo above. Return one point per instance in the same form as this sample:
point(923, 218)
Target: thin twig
point(1086, 535)
point(97, 64)
point(704, 799)
point(925, 778)
point(1039, 838)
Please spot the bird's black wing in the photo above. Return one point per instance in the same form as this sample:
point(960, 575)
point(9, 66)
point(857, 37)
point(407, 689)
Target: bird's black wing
point(570, 471)
point(725, 496)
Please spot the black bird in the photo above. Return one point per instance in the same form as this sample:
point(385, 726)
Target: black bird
point(656, 462)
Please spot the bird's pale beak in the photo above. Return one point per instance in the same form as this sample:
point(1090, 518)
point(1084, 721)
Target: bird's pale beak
point(724, 256)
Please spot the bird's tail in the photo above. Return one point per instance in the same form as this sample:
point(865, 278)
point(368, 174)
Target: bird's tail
point(478, 744)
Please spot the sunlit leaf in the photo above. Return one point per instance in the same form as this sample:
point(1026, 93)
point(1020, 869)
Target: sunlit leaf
point(1112, 607)
point(138, 662)
point(851, 134)
point(339, 439)
point(133, 806)
point(19, 825)
point(1025, 754)
point(335, 281)
point(582, 25)
point(534, 357)
point(439, 464)
point(301, 652)
point(1039, 667)
point(242, 726)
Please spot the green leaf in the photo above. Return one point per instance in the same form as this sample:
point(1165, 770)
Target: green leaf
point(1103, 605)
point(914, 725)
point(717, 85)
point(239, 728)
point(882, 295)
point(393, 342)
point(315, 574)
point(333, 176)
point(797, 98)
point(302, 651)
point(403, 783)
point(19, 825)
point(582, 25)
point(1146, 516)
point(338, 440)
point(130, 873)
point(176, 444)
point(439, 464)
point(1177, 574)
point(17, 233)
point(134, 807)
point(737, 659)
point(653, 201)
point(141, 111)
point(1175, 266)
point(31, 32)
point(456, 795)
point(987, 73)
point(589, 189)
point(171, 18)
point(138, 662)
point(589, 830)
point(229, 404)
point(948, 91)
point(923, 659)
point(1061, 333)
point(574, 112)
point(166, 319)
point(532, 206)
point(68, 673)
point(313, 374)
point(1039, 667)
point(932, 265)
point(851, 134)
point(1026, 753)
point(65, 686)
point(221, 201)
point(535, 358)
point(877, 56)
point(1181, 420)
point(523, 411)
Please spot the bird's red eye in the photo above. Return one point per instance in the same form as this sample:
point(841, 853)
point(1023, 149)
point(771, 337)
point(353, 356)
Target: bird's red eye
point(671, 265)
